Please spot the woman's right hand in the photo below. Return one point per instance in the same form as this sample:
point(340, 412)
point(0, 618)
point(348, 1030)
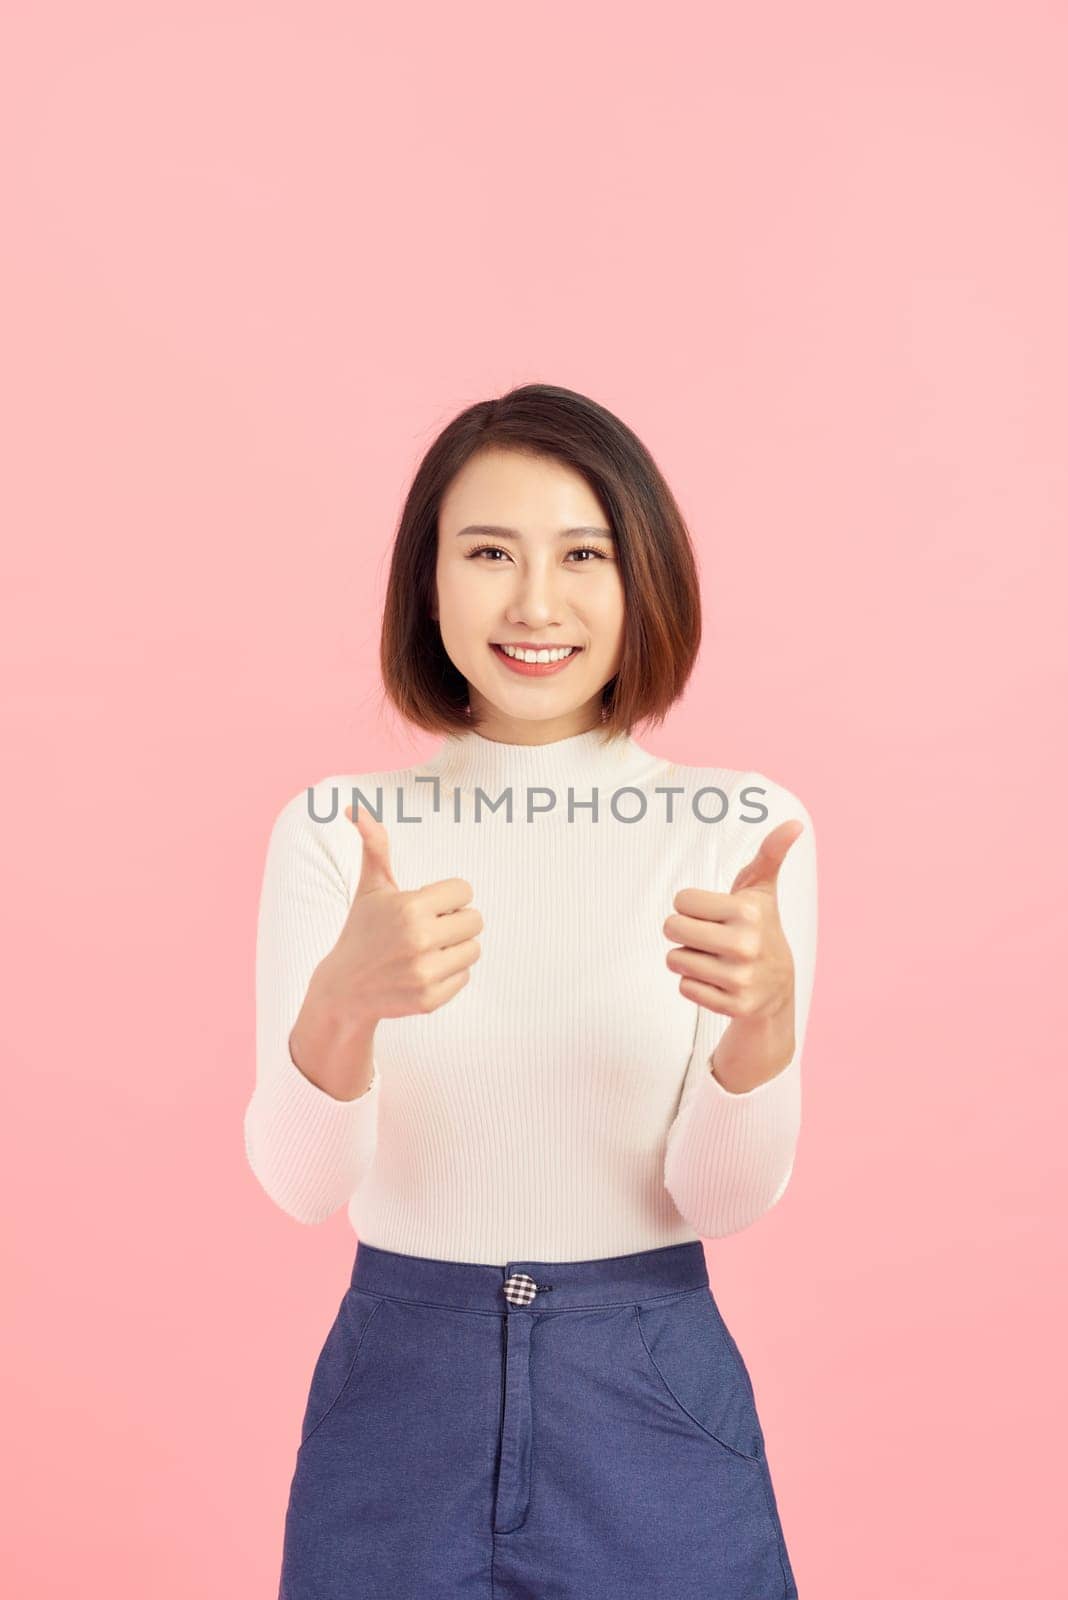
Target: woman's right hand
point(401, 951)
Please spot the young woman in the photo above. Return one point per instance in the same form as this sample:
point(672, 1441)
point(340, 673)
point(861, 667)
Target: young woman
point(533, 1010)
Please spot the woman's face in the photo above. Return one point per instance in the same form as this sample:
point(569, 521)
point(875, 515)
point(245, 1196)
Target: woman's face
point(526, 557)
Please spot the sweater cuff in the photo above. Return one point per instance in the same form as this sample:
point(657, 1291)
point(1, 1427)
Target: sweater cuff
point(310, 1150)
point(731, 1158)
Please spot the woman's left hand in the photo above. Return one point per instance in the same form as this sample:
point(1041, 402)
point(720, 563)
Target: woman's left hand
point(735, 958)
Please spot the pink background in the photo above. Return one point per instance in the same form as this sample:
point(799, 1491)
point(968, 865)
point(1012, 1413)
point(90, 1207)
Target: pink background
point(256, 257)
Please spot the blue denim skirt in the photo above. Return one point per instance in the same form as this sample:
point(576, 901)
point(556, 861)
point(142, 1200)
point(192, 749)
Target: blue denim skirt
point(544, 1430)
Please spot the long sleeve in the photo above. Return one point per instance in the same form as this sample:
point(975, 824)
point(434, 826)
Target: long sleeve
point(729, 1157)
point(308, 1150)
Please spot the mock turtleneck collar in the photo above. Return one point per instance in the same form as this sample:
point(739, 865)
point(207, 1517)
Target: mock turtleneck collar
point(468, 758)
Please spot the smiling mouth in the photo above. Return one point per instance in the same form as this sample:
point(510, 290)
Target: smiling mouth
point(502, 644)
point(536, 660)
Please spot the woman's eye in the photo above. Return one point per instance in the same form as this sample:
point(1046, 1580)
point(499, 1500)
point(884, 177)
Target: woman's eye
point(580, 550)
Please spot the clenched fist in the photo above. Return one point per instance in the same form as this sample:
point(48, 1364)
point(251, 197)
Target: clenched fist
point(735, 957)
point(401, 951)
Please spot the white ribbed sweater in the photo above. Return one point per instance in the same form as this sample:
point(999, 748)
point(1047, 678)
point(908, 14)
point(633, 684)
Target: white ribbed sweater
point(560, 1106)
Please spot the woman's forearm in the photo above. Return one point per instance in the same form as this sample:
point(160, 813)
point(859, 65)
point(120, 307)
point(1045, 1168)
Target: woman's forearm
point(332, 1051)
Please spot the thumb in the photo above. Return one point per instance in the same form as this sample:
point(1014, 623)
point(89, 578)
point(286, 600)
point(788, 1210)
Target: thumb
point(376, 872)
point(763, 870)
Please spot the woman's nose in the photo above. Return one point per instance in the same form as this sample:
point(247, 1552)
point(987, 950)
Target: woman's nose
point(537, 590)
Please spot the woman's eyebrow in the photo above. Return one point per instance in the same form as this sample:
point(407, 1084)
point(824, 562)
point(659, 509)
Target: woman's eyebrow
point(512, 533)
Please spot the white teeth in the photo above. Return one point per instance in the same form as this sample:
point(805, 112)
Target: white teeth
point(536, 655)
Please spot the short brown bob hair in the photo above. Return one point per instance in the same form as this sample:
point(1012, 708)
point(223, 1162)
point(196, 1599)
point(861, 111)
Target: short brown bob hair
point(662, 607)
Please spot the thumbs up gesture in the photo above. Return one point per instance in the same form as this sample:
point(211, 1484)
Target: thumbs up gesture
point(735, 958)
point(400, 951)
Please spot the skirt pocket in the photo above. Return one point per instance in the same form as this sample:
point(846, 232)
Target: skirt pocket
point(688, 1351)
point(341, 1361)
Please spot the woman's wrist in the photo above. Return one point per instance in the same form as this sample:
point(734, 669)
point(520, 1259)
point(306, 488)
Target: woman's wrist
point(754, 1050)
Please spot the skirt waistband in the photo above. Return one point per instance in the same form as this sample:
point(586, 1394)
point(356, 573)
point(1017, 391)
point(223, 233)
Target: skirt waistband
point(524, 1285)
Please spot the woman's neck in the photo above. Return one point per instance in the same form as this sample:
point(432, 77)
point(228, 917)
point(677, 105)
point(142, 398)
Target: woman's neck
point(579, 760)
